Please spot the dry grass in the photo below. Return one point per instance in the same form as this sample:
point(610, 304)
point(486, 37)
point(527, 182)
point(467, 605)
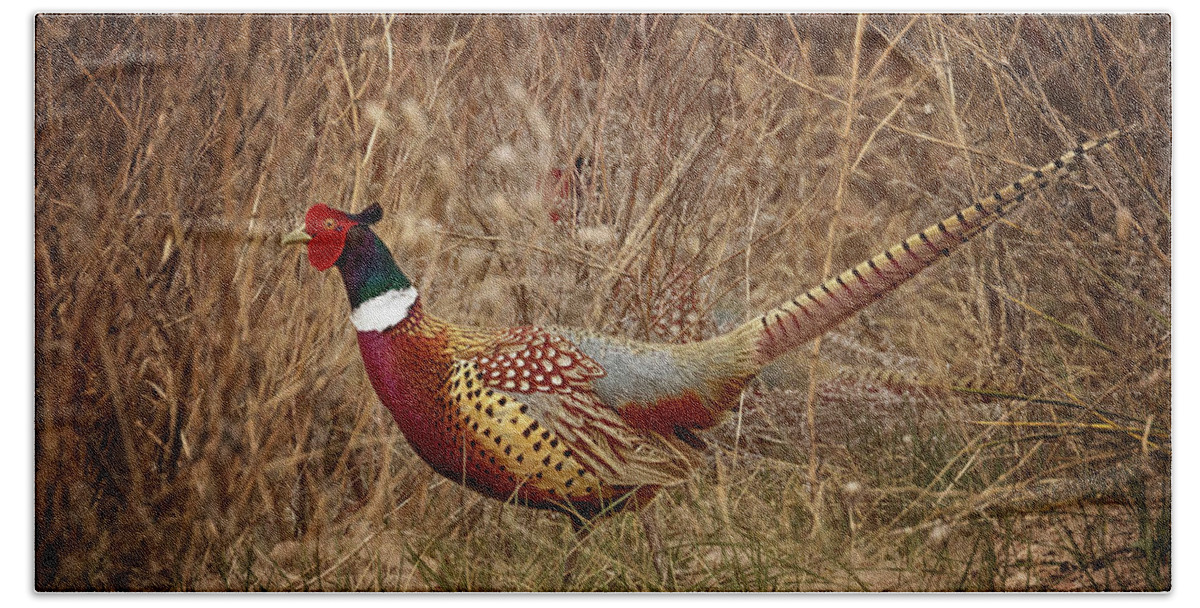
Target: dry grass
point(204, 423)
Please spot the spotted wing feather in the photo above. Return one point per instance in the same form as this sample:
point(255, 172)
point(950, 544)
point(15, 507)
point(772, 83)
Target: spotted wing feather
point(550, 375)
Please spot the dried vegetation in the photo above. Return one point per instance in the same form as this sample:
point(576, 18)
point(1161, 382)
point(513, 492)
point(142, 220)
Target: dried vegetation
point(1002, 422)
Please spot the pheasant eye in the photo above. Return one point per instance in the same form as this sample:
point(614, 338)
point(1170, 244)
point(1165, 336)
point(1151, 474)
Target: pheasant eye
point(330, 223)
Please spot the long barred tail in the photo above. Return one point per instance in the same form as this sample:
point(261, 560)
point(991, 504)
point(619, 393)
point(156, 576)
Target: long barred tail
point(824, 306)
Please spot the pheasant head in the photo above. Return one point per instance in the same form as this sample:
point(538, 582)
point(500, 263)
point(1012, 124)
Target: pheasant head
point(380, 294)
point(326, 230)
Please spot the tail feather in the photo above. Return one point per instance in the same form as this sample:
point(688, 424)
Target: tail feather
point(824, 306)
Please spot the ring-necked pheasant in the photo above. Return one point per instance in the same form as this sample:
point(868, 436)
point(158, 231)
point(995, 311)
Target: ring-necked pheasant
point(569, 420)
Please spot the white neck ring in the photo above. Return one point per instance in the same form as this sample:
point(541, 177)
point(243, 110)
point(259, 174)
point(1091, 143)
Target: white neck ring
point(384, 310)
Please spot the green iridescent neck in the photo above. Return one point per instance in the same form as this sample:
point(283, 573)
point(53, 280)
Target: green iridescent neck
point(367, 267)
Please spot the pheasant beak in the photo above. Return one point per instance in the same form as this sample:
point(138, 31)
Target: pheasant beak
point(296, 237)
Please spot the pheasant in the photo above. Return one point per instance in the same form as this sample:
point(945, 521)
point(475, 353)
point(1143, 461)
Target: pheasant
point(576, 422)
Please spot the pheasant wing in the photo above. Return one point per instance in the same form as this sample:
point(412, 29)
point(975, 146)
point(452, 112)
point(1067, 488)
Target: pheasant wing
point(550, 375)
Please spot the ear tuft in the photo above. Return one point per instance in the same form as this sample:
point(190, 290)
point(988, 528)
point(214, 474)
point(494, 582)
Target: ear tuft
point(368, 216)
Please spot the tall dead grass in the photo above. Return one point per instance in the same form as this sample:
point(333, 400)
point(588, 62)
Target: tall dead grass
point(203, 421)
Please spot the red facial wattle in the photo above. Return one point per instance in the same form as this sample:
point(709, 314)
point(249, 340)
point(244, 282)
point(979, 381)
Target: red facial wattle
point(328, 228)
